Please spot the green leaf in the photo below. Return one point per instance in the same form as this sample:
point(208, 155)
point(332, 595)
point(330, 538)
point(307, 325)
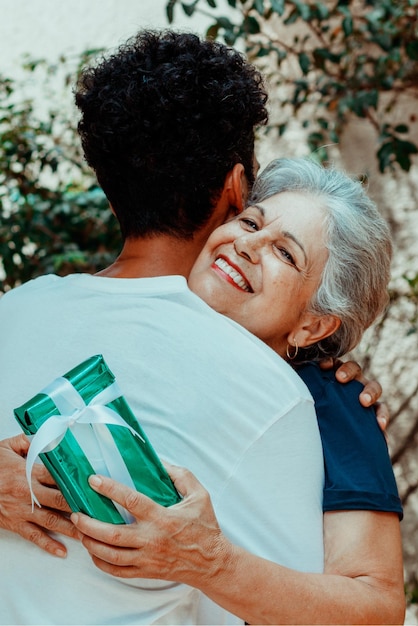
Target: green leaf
point(212, 31)
point(384, 40)
point(281, 129)
point(401, 128)
point(263, 52)
point(322, 11)
point(251, 25)
point(347, 25)
point(170, 10)
point(374, 17)
point(385, 155)
point(278, 6)
point(281, 54)
point(387, 82)
point(189, 9)
point(406, 147)
point(315, 138)
point(259, 6)
point(396, 151)
point(364, 100)
point(303, 9)
point(333, 137)
point(211, 3)
point(224, 22)
point(321, 55)
point(232, 3)
point(412, 50)
point(403, 151)
point(292, 18)
point(316, 143)
point(230, 37)
point(300, 93)
point(304, 62)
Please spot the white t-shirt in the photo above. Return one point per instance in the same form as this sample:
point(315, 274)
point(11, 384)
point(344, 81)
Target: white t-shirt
point(210, 397)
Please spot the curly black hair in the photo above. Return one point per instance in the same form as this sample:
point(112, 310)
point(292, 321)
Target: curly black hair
point(163, 120)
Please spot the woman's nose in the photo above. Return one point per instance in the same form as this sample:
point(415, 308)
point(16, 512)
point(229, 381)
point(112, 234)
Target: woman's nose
point(247, 246)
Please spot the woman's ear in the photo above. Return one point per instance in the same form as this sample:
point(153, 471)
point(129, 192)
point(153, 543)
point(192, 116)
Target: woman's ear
point(313, 328)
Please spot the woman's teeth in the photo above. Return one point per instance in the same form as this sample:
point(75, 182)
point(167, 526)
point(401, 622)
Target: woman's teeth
point(236, 277)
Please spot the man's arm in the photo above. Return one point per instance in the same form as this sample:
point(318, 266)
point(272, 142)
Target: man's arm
point(16, 512)
point(362, 582)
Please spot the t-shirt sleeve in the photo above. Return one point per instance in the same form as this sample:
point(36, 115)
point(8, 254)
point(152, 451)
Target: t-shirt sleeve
point(358, 470)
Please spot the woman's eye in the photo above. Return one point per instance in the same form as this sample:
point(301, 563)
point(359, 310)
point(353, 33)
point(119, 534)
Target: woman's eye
point(247, 222)
point(286, 255)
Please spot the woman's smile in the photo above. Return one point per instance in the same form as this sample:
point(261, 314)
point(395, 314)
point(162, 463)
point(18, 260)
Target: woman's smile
point(231, 273)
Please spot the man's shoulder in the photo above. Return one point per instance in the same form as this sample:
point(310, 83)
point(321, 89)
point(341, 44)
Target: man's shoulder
point(30, 287)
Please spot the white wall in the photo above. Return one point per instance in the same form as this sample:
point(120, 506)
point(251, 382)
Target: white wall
point(48, 28)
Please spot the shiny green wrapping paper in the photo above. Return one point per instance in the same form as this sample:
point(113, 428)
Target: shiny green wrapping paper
point(69, 465)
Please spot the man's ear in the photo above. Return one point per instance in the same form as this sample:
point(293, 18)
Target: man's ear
point(314, 328)
point(236, 186)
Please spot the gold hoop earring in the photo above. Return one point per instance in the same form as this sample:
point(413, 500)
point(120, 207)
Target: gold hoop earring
point(294, 355)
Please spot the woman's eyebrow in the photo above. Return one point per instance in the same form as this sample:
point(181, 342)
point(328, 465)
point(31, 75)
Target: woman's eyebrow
point(259, 208)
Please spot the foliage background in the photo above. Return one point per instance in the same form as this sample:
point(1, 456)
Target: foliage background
point(343, 79)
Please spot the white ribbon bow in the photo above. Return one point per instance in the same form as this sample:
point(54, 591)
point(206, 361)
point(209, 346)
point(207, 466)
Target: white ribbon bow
point(75, 415)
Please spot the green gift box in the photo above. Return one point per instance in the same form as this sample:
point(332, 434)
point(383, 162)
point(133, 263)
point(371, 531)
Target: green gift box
point(82, 425)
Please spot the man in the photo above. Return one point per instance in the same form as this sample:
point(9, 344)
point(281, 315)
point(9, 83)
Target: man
point(168, 126)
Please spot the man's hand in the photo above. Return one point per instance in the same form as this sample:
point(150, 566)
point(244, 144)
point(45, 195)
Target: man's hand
point(350, 370)
point(15, 502)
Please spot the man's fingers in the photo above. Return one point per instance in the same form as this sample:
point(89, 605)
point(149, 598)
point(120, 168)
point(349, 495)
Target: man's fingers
point(327, 364)
point(371, 393)
point(352, 371)
point(382, 414)
point(347, 371)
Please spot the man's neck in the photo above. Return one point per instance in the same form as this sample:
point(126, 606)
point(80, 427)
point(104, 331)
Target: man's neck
point(159, 255)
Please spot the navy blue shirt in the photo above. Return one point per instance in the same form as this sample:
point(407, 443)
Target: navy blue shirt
point(358, 470)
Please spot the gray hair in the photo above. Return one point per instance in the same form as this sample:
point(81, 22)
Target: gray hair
point(356, 274)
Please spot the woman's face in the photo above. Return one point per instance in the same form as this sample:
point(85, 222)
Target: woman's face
point(262, 267)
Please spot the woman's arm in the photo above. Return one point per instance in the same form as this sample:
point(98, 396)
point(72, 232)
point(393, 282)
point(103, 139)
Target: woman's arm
point(362, 582)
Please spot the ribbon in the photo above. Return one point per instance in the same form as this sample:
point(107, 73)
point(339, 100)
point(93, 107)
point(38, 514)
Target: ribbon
point(82, 418)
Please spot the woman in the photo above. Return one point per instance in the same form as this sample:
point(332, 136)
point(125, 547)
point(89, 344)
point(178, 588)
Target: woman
point(334, 261)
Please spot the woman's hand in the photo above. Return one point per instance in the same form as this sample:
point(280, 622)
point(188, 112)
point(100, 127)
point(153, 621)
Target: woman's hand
point(181, 543)
point(363, 582)
point(16, 512)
